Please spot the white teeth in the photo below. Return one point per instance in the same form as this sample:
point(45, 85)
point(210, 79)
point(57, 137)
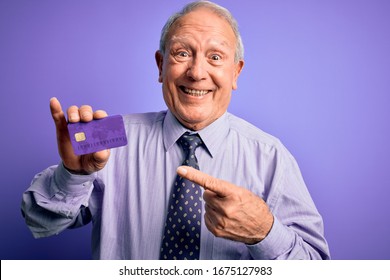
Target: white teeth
point(195, 92)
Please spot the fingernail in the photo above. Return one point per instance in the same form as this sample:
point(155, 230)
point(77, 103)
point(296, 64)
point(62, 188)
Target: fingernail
point(181, 170)
point(73, 117)
point(86, 115)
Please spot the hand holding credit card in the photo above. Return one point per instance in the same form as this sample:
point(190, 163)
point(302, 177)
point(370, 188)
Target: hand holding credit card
point(97, 135)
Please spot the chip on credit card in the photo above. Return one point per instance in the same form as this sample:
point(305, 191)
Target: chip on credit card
point(97, 135)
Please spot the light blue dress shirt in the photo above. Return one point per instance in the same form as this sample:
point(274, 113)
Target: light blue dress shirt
point(127, 200)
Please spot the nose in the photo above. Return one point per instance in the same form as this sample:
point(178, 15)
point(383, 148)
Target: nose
point(197, 69)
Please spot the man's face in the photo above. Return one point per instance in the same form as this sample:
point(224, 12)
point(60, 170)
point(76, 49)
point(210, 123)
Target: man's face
point(198, 71)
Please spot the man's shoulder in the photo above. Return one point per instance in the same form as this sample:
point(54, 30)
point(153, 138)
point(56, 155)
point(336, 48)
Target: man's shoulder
point(251, 132)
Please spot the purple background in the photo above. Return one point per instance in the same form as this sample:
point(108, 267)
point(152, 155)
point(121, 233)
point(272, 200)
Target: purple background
point(317, 75)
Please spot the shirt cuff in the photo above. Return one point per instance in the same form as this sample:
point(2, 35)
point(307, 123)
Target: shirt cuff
point(278, 242)
point(72, 184)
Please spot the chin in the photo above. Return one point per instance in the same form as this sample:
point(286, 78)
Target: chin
point(196, 123)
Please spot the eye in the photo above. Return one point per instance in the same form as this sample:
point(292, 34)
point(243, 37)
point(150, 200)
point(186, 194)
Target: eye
point(216, 57)
point(183, 54)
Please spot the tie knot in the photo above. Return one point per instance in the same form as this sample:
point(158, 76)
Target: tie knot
point(189, 142)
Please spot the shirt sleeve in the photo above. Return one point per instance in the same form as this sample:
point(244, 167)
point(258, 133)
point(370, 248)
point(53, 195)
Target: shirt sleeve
point(56, 200)
point(298, 231)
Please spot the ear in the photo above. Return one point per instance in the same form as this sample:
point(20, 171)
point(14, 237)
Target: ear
point(159, 61)
point(238, 68)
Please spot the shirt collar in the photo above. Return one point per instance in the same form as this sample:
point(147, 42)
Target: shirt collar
point(213, 135)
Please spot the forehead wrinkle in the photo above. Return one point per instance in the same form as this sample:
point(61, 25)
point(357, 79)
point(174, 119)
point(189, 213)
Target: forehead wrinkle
point(186, 40)
point(201, 24)
point(190, 24)
point(201, 28)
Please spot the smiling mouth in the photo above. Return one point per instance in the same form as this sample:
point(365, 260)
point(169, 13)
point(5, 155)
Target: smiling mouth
point(194, 92)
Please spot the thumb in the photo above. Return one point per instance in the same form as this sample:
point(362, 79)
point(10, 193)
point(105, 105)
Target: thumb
point(57, 113)
point(63, 141)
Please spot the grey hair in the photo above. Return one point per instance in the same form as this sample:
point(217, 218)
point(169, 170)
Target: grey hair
point(219, 10)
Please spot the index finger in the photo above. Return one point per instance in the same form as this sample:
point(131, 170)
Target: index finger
point(220, 187)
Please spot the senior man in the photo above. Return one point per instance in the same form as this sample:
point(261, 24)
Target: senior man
point(238, 194)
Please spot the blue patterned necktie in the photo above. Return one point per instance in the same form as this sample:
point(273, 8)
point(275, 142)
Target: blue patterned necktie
point(181, 240)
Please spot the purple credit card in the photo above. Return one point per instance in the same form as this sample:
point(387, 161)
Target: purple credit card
point(97, 135)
